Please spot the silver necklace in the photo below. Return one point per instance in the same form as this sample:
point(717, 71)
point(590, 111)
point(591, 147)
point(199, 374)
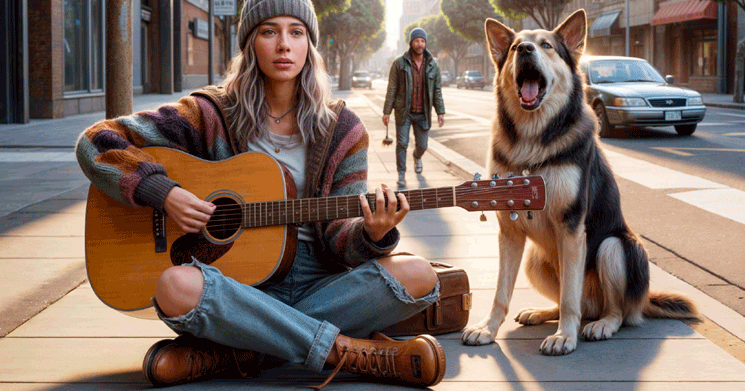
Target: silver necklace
point(277, 119)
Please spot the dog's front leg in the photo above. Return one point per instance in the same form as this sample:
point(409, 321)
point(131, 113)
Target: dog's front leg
point(511, 246)
point(572, 252)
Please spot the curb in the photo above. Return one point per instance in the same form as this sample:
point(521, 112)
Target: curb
point(735, 106)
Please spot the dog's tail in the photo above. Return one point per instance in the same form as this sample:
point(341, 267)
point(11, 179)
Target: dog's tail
point(670, 305)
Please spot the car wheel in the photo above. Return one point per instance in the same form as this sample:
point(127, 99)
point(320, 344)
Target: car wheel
point(605, 127)
point(685, 130)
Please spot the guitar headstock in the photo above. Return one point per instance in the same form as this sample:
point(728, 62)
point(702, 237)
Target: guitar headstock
point(515, 193)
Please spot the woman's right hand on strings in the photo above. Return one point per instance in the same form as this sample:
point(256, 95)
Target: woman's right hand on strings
point(190, 213)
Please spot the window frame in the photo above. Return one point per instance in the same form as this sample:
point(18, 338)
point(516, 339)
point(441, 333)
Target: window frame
point(90, 48)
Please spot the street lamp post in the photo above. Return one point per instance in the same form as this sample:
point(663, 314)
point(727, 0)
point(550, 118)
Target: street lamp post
point(628, 28)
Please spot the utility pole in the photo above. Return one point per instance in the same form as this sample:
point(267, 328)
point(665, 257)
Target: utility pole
point(211, 43)
point(628, 27)
point(118, 58)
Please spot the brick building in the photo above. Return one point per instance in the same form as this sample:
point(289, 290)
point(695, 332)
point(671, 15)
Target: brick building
point(692, 40)
point(54, 51)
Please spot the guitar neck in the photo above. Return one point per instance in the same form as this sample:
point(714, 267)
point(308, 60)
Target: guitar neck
point(304, 210)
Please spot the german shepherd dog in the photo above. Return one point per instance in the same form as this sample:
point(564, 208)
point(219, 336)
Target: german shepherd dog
point(581, 253)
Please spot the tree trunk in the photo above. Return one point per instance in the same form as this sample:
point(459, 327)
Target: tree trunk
point(739, 71)
point(345, 81)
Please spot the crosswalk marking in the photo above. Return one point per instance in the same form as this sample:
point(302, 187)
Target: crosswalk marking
point(36, 156)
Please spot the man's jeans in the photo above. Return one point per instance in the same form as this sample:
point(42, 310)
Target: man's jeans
point(298, 320)
point(419, 122)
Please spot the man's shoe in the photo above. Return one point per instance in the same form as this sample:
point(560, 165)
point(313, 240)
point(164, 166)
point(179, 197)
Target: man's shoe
point(418, 362)
point(188, 359)
point(401, 179)
point(418, 165)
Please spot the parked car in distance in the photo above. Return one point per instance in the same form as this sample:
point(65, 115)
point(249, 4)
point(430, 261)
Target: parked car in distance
point(629, 92)
point(361, 79)
point(446, 78)
point(471, 79)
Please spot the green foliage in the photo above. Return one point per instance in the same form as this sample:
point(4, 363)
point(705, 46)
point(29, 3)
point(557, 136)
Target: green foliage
point(363, 20)
point(546, 13)
point(467, 17)
point(323, 7)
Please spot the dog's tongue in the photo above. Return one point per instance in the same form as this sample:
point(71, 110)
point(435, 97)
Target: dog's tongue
point(529, 90)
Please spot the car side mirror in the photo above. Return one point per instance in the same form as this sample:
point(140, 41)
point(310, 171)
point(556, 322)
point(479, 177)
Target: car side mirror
point(669, 79)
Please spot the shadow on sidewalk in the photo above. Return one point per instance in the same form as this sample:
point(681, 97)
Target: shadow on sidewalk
point(623, 360)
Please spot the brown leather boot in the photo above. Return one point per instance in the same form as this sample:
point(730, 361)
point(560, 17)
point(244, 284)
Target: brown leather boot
point(416, 362)
point(189, 359)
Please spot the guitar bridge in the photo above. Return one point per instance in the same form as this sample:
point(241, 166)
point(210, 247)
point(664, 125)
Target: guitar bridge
point(159, 231)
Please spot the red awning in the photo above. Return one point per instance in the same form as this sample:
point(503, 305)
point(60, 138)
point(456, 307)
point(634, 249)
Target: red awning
point(684, 11)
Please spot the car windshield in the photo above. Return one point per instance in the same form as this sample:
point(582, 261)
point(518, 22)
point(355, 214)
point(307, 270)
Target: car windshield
point(623, 71)
point(360, 74)
point(474, 73)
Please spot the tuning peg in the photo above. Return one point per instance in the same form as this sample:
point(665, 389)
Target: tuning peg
point(526, 172)
point(483, 217)
point(510, 174)
point(477, 177)
point(513, 216)
point(495, 176)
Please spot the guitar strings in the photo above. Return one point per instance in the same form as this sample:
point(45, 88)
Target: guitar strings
point(235, 213)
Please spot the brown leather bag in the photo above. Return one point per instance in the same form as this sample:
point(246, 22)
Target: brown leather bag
point(448, 314)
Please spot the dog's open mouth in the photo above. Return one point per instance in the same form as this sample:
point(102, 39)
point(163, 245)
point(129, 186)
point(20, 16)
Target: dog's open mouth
point(531, 87)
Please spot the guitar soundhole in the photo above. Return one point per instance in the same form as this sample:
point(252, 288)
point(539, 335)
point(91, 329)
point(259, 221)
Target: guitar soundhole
point(227, 219)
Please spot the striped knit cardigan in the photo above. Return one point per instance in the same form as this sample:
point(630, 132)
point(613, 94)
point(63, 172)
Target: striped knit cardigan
point(110, 156)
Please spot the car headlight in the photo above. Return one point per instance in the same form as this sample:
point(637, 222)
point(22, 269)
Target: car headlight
point(636, 102)
point(697, 101)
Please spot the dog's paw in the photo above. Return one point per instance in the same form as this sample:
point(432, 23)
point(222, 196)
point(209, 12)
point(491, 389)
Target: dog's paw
point(558, 345)
point(478, 335)
point(534, 316)
point(601, 329)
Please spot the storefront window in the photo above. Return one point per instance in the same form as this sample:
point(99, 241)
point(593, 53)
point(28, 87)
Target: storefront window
point(83, 45)
point(704, 59)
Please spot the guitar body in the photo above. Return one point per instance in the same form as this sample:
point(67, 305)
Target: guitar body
point(126, 250)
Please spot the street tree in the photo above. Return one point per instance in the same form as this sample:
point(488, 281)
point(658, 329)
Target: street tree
point(546, 13)
point(367, 48)
point(346, 31)
point(323, 7)
point(466, 17)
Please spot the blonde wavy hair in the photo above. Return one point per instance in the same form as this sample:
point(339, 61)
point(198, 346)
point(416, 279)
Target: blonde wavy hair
point(244, 84)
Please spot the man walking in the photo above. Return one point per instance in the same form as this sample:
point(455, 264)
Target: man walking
point(414, 87)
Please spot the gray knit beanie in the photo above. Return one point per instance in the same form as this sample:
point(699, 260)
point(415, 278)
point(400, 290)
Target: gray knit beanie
point(417, 33)
point(256, 11)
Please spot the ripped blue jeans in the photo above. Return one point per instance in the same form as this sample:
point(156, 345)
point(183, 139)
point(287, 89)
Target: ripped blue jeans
point(298, 320)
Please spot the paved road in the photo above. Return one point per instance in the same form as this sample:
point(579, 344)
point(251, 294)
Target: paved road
point(684, 194)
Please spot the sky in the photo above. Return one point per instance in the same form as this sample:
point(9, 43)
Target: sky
point(393, 9)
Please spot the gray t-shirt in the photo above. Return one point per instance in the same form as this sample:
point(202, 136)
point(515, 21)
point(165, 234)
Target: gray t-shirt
point(292, 153)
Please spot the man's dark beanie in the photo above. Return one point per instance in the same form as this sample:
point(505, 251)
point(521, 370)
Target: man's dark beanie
point(417, 33)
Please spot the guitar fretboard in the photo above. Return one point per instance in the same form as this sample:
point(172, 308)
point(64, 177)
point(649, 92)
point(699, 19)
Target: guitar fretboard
point(297, 211)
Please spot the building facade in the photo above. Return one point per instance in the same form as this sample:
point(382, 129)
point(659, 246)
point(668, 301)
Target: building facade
point(65, 43)
point(692, 40)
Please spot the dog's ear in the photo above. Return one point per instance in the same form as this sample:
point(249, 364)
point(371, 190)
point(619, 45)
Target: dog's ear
point(574, 32)
point(499, 38)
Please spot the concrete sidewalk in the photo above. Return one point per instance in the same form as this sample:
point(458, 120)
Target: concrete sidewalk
point(77, 343)
point(722, 100)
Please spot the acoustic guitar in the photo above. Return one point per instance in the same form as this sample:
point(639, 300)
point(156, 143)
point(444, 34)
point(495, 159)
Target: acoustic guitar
point(252, 235)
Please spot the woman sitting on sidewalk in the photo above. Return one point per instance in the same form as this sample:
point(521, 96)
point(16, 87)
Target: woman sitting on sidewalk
point(344, 284)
